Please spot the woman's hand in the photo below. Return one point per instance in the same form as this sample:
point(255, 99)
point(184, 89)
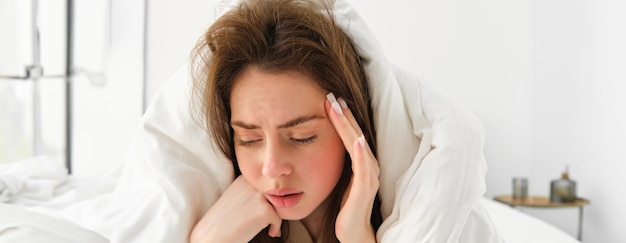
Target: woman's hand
point(353, 222)
point(237, 216)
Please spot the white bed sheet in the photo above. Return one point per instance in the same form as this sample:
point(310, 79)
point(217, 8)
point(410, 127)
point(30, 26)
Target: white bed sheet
point(19, 223)
point(40, 223)
point(518, 227)
point(30, 221)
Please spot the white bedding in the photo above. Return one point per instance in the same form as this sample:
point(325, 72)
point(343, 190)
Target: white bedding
point(20, 224)
point(20, 221)
point(25, 219)
point(519, 227)
point(28, 224)
point(429, 150)
point(30, 181)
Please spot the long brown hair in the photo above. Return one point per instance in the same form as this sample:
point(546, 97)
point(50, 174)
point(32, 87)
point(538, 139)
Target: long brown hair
point(275, 36)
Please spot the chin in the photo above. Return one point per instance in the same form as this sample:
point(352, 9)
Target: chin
point(291, 213)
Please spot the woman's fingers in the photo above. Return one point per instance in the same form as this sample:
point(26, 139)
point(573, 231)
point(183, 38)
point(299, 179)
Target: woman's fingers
point(274, 230)
point(237, 216)
point(342, 119)
point(364, 165)
point(353, 221)
point(349, 115)
point(365, 175)
point(346, 125)
point(257, 205)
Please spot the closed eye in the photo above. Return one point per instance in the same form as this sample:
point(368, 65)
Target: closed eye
point(304, 140)
point(248, 143)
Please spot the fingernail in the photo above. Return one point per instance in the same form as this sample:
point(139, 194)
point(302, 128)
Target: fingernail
point(331, 97)
point(362, 141)
point(333, 102)
point(337, 108)
point(343, 103)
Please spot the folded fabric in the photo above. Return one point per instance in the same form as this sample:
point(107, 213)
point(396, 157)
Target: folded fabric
point(429, 152)
point(31, 181)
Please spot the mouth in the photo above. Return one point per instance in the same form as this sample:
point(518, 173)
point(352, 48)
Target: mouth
point(282, 198)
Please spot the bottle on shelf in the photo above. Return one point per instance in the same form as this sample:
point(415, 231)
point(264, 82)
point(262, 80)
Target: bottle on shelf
point(563, 190)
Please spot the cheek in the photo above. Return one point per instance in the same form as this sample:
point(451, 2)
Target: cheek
point(330, 160)
point(249, 170)
point(335, 158)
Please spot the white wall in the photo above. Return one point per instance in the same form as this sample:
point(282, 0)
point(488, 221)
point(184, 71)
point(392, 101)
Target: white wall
point(173, 29)
point(580, 109)
point(480, 52)
point(543, 76)
point(107, 112)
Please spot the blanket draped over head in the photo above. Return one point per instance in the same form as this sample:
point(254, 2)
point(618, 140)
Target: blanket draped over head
point(430, 153)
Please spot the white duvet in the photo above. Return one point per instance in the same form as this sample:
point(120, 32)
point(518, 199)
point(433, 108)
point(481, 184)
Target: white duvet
point(430, 154)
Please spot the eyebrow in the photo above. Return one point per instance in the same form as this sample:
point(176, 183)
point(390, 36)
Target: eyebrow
point(288, 124)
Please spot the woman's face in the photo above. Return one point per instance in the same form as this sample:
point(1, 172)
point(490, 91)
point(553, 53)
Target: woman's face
point(286, 146)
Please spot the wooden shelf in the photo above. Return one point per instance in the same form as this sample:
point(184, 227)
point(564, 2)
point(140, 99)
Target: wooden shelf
point(539, 202)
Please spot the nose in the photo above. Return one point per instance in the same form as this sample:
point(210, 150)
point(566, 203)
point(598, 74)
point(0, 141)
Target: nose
point(276, 162)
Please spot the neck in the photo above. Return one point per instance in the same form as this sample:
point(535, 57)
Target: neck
point(313, 222)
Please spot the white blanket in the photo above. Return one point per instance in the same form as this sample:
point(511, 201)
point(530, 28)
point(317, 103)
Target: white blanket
point(519, 227)
point(30, 181)
point(18, 224)
point(430, 153)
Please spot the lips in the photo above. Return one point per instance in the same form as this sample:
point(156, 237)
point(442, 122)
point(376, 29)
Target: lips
point(284, 198)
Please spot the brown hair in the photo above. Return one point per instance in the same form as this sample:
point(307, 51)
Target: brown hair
point(275, 36)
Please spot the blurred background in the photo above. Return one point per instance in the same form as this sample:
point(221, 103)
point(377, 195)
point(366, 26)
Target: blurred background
point(546, 77)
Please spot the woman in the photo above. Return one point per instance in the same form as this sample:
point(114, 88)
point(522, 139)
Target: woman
point(294, 163)
point(269, 74)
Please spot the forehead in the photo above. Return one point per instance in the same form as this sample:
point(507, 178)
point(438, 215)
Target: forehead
point(259, 94)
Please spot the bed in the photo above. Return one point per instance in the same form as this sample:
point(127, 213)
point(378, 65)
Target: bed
point(24, 219)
